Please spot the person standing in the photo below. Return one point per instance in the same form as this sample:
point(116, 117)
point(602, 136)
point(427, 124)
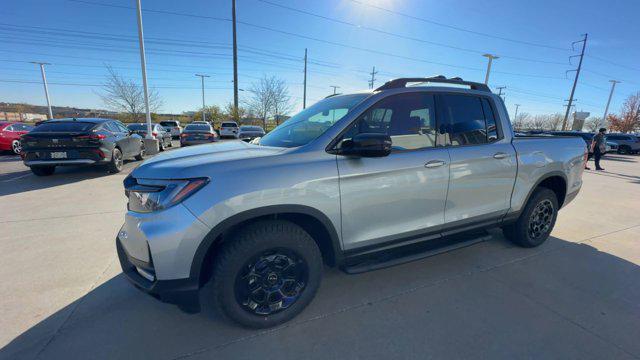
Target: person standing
point(599, 147)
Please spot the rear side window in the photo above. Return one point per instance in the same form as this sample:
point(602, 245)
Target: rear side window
point(75, 126)
point(467, 120)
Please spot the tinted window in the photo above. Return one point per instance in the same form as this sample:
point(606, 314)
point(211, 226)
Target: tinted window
point(120, 126)
point(138, 127)
point(22, 127)
point(490, 121)
point(56, 126)
point(168, 123)
point(229, 125)
point(464, 120)
point(197, 127)
point(409, 119)
point(110, 126)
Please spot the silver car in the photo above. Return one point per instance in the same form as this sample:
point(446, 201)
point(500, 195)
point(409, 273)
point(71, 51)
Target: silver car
point(359, 181)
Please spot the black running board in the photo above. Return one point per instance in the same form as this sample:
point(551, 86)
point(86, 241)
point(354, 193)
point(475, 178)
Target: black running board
point(412, 252)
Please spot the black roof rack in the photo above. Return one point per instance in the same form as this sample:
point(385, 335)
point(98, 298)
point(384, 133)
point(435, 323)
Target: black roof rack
point(402, 82)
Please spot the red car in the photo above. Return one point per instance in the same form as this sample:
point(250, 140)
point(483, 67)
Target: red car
point(10, 135)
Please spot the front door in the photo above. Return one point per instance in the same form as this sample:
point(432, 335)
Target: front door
point(483, 165)
point(400, 197)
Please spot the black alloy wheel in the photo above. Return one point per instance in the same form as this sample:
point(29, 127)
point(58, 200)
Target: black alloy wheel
point(271, 282)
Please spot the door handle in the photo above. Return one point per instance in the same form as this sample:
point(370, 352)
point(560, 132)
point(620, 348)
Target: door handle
point(434, 164)
point(500, 155)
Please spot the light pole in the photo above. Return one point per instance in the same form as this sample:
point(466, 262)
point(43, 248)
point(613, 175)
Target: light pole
point(515, 118)
point(143, 64)
point(46, 88)
point(606, 109)
point(202, 76)
point(490, 57)
point(334, 88)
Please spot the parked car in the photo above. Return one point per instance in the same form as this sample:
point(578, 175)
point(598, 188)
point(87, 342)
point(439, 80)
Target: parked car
point(80, 141)
point(229, 129)
point(611, 146)
point(173, 127)
point(359, 181)
point(250, 132)
point(157, 131)
point(627, 143)
point(195, 134)
point(10, 133)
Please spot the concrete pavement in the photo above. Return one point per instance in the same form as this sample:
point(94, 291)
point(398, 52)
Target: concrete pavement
point(577, 296)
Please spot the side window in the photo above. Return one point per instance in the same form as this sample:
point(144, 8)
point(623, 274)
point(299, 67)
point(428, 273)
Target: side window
point(464, 120)
point(9, 128)
point(120, 126)
point(490, 121)
point(409, 119)
point(111, 126)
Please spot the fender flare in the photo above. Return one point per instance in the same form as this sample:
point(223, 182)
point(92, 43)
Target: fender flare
point(515, 215)
point(228, 223)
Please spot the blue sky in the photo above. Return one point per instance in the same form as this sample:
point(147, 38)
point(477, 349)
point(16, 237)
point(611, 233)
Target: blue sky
point(345, 39)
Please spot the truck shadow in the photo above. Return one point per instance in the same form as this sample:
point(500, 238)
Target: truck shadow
point(493, 289)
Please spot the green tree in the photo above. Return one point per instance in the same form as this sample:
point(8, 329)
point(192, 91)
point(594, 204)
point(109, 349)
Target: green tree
point(213, 114)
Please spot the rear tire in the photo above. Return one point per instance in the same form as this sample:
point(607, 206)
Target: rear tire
point(43, 170)
point(536, 221)
point(266, 274)
point(117, 161)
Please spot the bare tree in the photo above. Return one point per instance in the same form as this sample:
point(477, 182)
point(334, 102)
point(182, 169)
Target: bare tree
point(124, 95)
point(521, 121)
point(281, 99)
point(554, 121)
point(261, 101)
point(539, 122)
point(593, 123)
point(629, 118)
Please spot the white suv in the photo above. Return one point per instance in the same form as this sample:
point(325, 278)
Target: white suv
point(229, 129)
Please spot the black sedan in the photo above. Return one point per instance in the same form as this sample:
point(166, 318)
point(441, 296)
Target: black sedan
point(194, 134)
point(79, 141)
point(157, 131)
point(250, 132)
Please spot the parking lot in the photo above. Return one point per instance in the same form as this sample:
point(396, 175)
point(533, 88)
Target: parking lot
point(577, 296)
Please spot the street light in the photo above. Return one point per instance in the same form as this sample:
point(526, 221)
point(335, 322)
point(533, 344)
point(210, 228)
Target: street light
point(202, 76)
point(44, 81)
point(490, 57)
point(150, 144)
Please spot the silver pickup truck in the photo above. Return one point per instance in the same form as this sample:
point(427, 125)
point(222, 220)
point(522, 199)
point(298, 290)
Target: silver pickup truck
point(359, 181)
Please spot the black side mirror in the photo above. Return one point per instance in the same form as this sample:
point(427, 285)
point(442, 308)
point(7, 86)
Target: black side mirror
point(367, 145)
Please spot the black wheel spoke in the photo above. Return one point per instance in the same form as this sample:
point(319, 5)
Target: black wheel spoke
point(271, 282)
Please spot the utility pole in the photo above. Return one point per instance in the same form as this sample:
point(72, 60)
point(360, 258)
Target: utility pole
point(490, 57)
point(575, 80)
point(500, 90)
point(204, 115)
point(515, 118)
point(143, 63)
point(334, 88)
point(235, 61)
point(606, 109)
point(304, 91)
point(46, 88)
point(373, 78)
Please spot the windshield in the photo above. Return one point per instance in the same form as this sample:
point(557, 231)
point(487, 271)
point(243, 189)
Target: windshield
point(137, 127)
point(312, 122)
point(250, 128)
point(168, 123)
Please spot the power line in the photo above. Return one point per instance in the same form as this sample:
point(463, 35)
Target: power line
point(363, 3)
point(406, 37)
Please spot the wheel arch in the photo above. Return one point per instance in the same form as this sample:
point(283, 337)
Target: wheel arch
point(311, 220)
point(555, 181)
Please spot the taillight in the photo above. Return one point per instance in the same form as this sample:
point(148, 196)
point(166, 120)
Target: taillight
point(154, 134)
point(92, 136)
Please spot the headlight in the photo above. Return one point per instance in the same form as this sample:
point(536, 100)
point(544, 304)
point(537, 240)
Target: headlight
point(153, 195)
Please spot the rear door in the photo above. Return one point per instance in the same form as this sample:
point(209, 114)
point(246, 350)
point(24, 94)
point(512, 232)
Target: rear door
point(483, 164)
point(400, 197)
point(119, 137)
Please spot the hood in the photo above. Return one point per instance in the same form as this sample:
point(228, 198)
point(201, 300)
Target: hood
point(199, 160)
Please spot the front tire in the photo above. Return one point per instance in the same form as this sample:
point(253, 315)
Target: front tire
point(43, 170)
point(266, 274)
point(142, 153)
point(536, 221)
point(16, 147)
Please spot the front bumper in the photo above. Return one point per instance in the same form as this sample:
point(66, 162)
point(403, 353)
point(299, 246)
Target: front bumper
point(181, 292)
